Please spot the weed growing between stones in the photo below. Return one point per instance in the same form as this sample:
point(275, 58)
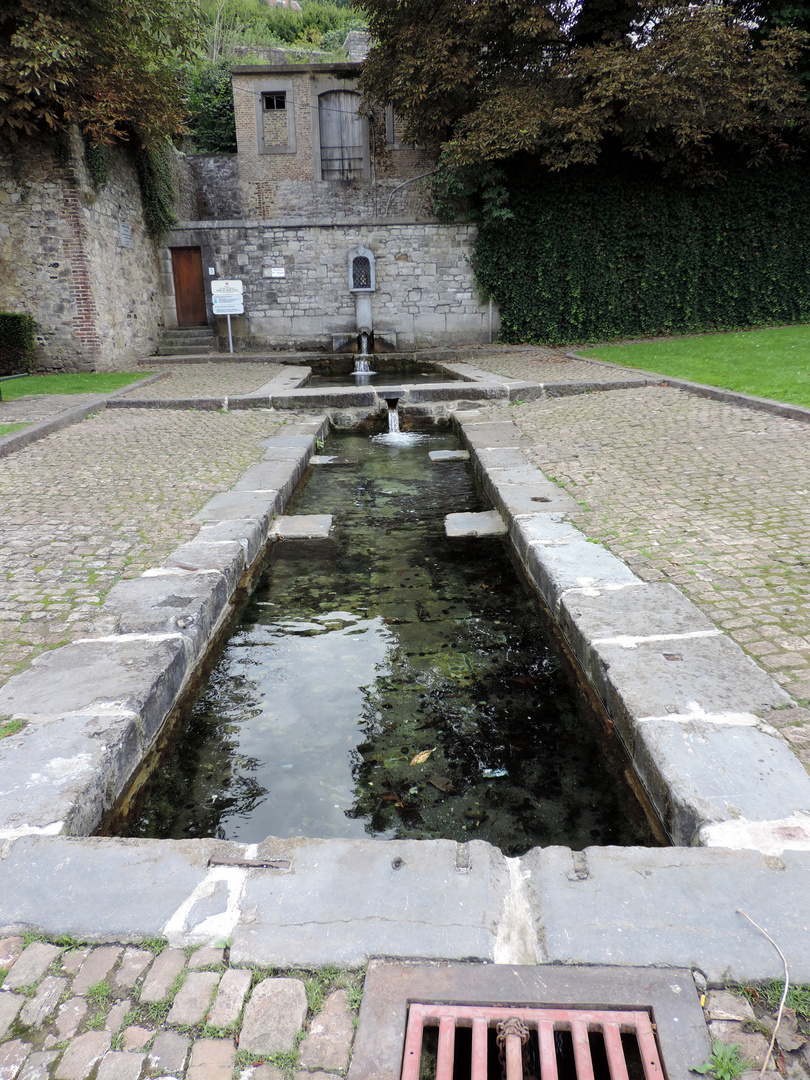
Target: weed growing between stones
point(726, 1062)
point(10, 727)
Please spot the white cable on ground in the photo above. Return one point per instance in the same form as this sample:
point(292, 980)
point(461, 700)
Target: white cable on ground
point(784, 992)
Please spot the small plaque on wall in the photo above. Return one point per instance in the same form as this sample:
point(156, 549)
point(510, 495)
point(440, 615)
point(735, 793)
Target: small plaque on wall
point(125, 234)
point(274, 271)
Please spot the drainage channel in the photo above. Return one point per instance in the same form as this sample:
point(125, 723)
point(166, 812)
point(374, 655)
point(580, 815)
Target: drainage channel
point(689, 706)
point(389, 681)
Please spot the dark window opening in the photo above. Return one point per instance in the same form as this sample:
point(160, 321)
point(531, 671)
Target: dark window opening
point(361, 272)
point(275, 102)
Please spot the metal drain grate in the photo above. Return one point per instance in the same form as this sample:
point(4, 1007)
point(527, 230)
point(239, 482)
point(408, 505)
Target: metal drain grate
point(545, 1044)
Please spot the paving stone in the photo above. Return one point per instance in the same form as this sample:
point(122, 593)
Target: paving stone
point(117, 1015)
point(169, 1052)
point(723, 1005)
point(192, 1001)
point(162, 974)
point(12, 1057)
point(485, 523)
point(205, 957)
point(72, 959)
point(753, 1045)
point(231, 994)
point(43, 1003)
point(274, 1016)
point(135, 1037)
point(96, 968)
point(82, 1055)
point(10, 949)
point(10, 1005)
point(303, 527)
point(133, 963)
point(263, 1072)
point(120, 1065)
point(31, 965)
point(38, 1065)
point(70, 1016)
point(315, 1076)
point(212, 1059)
point(328, 1044)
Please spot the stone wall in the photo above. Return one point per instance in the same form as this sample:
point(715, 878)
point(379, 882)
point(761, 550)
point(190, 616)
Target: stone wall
point(79, 261)
point(425, 294)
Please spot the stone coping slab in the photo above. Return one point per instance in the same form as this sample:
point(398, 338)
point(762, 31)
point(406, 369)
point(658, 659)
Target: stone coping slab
point(689, 705)
point(340, 902)
point(92, 710)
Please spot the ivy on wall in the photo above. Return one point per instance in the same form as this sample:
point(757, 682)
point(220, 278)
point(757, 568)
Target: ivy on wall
point(589, 255)
point(17, 343)
point(158, 192)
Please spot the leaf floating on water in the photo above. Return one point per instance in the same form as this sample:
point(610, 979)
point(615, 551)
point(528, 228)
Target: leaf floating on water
point(440, 782)
point(422, 756)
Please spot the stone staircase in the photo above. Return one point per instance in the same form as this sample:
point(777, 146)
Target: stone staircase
point(186, 341)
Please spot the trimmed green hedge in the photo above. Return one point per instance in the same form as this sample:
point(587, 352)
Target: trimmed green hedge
point(17, 343)
point(591, 255)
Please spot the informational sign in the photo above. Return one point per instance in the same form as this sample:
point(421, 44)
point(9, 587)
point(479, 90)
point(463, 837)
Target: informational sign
point(125, 234)
point(227, 297)
point(276, 271)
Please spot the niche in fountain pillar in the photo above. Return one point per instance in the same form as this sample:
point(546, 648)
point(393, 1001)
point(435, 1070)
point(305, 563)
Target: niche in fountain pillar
point(362, 284)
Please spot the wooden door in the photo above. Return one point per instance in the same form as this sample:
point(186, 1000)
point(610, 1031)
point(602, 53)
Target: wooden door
point(341, 131)
point(189, 289)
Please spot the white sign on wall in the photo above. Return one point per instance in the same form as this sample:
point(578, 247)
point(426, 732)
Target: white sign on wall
point(227, 298)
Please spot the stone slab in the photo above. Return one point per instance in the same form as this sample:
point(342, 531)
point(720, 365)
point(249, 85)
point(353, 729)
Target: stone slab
point(70, 1016)
point(65, 773)
point(170, 602)
point(12, 1058)
point(273, 476)
point(120, 1065)
point(10, 949)
point(113, 676)
point(563, 559)
point(274, 1015)
point(133, 964)
point(697, 774)
point(438, 456)
point(53, 883)
point(485, 523)
point(351, 899)
point(248, 534)
point(492, 434)
point(317, 398)
point(302, 527)
point(226, 557)
point(454, 391)
point(673, 907)
point(206, 957)
point(38, 1065)
point(331, 460)
point(212, 1059)
point(240, 504)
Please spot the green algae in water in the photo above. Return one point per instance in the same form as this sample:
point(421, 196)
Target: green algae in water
point(391, 683)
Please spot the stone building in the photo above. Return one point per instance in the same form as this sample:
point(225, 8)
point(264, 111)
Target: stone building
point(318, 174)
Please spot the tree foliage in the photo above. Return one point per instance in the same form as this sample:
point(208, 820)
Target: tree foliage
point(499, 78)
point(210, 108)
point(109, 66)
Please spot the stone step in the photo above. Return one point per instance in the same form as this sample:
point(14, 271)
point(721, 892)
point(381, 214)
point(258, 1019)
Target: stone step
point(189, 348)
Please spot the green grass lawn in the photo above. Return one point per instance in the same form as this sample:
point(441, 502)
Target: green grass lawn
point(8, 429)
point(772, 363)
point(84, 382)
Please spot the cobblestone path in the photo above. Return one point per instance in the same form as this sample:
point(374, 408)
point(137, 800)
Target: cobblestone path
point(123, 1013)
point(712, 497)
point(544, 365)
point(104, 499)
point(204, 380)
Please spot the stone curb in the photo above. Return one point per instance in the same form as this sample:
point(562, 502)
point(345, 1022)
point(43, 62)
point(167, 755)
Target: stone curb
point(689, 705)
point(93, 709)
point(730, 397)
point(9, 444)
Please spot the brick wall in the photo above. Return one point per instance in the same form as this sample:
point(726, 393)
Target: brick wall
point(95, 299)
point(424, 293)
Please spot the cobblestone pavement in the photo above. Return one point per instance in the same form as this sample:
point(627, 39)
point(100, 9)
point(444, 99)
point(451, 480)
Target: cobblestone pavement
point(125, 1012)
point(712, 497)
point(102, 500)
point(34, 407)
point(544, 365)
point(204, 380)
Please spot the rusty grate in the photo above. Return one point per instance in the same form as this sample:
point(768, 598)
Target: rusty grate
point(483, 1042)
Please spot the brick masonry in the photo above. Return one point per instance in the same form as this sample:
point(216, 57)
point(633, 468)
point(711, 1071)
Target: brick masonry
point(95, 298)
